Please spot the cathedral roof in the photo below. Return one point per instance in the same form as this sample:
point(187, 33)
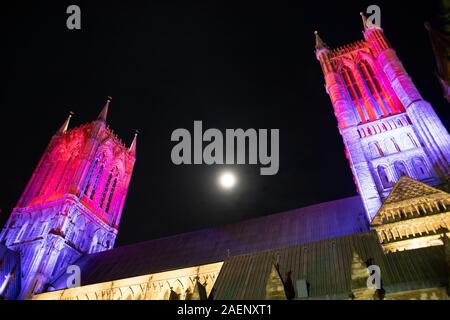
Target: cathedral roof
point(407, 189)
point(326, 266)
point(407, 192)
point(296, 227)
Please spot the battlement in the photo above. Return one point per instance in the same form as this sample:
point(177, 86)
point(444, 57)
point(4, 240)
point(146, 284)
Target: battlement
point(348, 48)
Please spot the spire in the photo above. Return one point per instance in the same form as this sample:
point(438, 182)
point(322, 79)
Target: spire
point(364, 20)
point(320, 45)
point(368, 25)
point(104, 114)
point(132, 148)
point(65, 125)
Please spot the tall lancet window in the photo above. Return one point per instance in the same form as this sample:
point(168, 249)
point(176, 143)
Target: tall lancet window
point(94, 176)
point(374, 87)
point(420, 168)
point(400, 168)
point(105, 191)
point(63, 174)
point(355, 93)
point(111, 194)
point(384, 178)
point(110, 187)
point(379, 93)
point(97, 179)
point(90, 175)
point(375, 150)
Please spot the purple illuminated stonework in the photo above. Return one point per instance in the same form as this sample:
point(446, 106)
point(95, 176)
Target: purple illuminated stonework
point(388, 129)
point(73, 203)
point(397, 149)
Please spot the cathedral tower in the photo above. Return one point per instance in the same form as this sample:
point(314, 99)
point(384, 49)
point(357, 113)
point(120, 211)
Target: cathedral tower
point(72, 204)
point(388, 129)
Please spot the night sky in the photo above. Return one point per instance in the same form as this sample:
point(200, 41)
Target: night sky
point(165, 65)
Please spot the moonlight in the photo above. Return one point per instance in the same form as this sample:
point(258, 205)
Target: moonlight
point(227, 180)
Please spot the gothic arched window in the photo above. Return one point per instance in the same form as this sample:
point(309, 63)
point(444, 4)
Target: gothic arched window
point(384, 178)
point(89, 178)
point(111, 194)
point(109, 189)
point(94, 176)
point(414, 143)
point(375, 150)
point(377, 91)
point(391, 146)
point(105, 190)
point(420, 168)
point(63, 173)
point(400, 168)
point(97, 179)
point(354, 92)
point(394, 142)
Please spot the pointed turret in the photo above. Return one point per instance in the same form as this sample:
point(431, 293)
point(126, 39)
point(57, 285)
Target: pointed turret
point(132, 148)
point(320, 45)
point(364, 20)
point(367, 24)
point(104, 114)
point(65, 125)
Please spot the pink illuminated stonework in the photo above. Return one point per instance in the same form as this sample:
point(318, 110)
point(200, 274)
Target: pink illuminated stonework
point(72, 204)
point(388, 129)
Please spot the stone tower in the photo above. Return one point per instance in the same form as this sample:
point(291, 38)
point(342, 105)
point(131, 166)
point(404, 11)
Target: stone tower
point(72, 204)
point(388, 129)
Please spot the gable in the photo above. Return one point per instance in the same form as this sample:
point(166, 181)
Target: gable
point(405, 189)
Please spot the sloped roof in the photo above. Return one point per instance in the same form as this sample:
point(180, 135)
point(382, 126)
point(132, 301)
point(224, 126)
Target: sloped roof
point(405, 189)
point(327, 267)
point(317, 222)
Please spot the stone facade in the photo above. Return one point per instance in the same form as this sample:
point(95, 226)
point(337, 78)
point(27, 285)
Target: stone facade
point(397, 149)
point(181, 284)
point(72, 204)
point(388, 129)
point(413, 216)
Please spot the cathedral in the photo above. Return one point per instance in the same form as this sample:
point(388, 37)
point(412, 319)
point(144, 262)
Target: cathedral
point(398, 151)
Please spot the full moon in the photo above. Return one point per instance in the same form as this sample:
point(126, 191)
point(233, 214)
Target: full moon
point(227, 180)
